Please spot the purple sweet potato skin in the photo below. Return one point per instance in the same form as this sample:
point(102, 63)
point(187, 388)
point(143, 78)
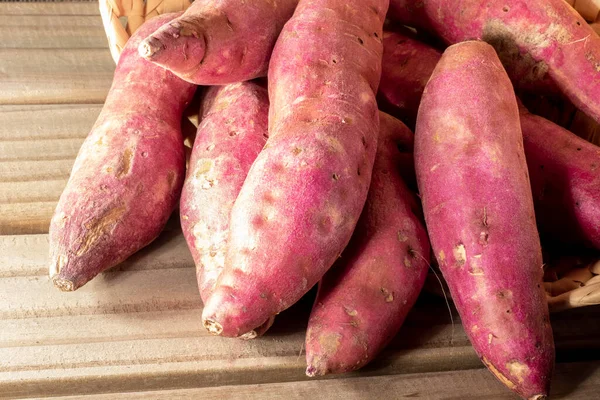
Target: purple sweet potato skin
point(478, 208)
point(128, 174)
point(364, 299)
point(323, 128)
point(565, 181)
point(563, 168)
point(232, 132)
point(406, 68)
point(543, 44)
point(217, 42)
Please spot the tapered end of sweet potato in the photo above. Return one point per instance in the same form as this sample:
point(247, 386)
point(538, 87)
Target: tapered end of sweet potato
point(177, 46)
point(61, 276)
point(63, 284)
point(225, 314)
point(531, 382)
point(212, 326)
point(312, 371)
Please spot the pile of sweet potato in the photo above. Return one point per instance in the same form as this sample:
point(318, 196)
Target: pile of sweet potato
point(300, 180)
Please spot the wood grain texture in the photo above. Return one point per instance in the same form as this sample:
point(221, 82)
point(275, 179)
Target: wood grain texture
point(70, 8)
point(24, 218)
point(53, 76)
point(38, 145)
point(137, 327)
point(51, 32)
point(573, 381)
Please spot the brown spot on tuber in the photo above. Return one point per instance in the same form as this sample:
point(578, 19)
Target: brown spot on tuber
point(171, 175)
point(351, 312)
point(507, 382)
point(335, 177)
point(483, 238)
point(402, 236)
point(268, 198)
point(125, 164)
point(504, 294)
point(98, 227)
point(325, 224)
point(330, 342)
point(460, 254)
point(442, 257)
point(202, 167)
point(296, 151)
point(389, 296)
point(518, 370)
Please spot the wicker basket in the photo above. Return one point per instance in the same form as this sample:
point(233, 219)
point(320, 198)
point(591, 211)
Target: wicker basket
point(570, 283)
point(121, 18)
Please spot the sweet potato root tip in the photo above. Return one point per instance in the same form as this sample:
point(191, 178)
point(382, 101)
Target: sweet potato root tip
point(249, 335)
point(312, 371)
point(149, 48)
point(213, 327)
point(64, 285)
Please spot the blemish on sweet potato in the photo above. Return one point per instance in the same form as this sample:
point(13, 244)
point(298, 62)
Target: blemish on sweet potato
point(483, 238)
point(389, 296)
point(125, 163)
point(518, 370)
point(460, 254)
point(351, 312)
point(99, 227)
point(402, 236)
point(507, 382)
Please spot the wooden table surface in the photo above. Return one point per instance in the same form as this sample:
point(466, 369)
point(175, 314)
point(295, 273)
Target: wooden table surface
point(134, 332)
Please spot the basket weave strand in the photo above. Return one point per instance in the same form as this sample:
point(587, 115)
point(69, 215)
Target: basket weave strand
point(133, 13)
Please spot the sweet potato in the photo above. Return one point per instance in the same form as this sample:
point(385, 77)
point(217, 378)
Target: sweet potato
point(304, 194)
point(216, 42)
point(542, 43)
point(478, 208)
point(565, 181)
point(406, 68)
point(563, 168)
point(364, 299)
point(128, 174)
point(232, 131)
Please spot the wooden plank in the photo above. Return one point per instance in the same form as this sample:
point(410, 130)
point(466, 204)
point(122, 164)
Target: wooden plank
point(572, 381)
point(52, 31)
point(111, 292)
point(25, 218)
point(31, 191)
point(38, 145)
point(64, 76)
point(136, 327)
point(50, 8)
point(43, 149)
point(27, 255)
point(17, 171)
point(45, 122)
